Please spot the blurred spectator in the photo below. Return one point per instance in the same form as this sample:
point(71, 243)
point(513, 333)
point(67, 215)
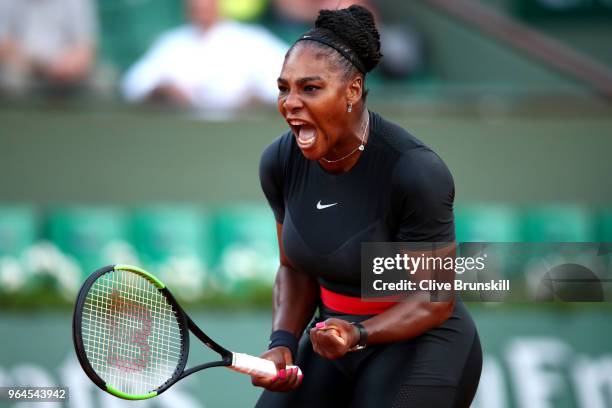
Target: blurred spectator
point(46, 44)
point(403, 46)
point(243, 10)
point(404, 50)
point(210, 63)
point(291, 18)
point(297, 11)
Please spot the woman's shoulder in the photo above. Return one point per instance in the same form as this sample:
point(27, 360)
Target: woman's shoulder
point(280, 147)
point(277, 154)
point(414, 162)
point(409, 149)
point(394, 137)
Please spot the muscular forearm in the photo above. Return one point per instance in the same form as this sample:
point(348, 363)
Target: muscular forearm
point(407, 320)
point(418, 313)
point(294, 300)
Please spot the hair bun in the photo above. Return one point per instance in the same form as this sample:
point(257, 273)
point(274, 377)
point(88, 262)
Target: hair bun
point(356, 28)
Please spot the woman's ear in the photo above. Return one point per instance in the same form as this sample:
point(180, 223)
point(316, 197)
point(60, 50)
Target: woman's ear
point(354, 89)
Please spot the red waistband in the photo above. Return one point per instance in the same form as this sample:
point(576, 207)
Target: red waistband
point(352, 305)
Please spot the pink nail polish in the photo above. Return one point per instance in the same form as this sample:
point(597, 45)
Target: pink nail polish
point(282, 374)
point(320, 325)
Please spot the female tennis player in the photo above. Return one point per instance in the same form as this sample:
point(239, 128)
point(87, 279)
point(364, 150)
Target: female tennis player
point(342, 176)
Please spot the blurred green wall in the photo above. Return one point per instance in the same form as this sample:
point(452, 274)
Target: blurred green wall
point(540, 358)
point(133, 157)
point(460, 54)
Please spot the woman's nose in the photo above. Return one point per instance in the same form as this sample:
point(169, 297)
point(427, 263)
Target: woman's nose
point(292, 102)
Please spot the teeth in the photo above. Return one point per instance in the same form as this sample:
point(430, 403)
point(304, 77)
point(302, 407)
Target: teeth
point(306, 136)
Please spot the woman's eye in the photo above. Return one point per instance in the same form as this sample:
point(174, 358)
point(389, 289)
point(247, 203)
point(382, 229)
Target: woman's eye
point(310, 88)
point(282, 89)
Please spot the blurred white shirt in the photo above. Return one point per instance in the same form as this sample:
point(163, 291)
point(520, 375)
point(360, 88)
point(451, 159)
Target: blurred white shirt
point(45, 29)
point(223, 67)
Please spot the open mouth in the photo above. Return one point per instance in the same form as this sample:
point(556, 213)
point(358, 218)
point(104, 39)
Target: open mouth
point(305, 133)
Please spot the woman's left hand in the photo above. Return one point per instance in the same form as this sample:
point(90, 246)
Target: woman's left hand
point(333, 338)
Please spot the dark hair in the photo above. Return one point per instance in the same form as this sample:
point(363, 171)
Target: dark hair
point(347, 37)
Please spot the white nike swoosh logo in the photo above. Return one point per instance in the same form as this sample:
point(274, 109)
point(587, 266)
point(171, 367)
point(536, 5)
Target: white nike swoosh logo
point(324, 206)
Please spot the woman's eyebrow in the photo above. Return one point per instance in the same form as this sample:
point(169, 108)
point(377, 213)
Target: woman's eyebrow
point(300, 81)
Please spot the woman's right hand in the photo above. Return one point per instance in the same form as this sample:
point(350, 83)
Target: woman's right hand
point(286, 379)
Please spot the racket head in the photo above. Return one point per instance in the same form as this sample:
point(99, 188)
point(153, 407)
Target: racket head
point(130, 335)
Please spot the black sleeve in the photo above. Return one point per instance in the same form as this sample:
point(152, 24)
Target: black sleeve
point(271, 179)
point(426, 191)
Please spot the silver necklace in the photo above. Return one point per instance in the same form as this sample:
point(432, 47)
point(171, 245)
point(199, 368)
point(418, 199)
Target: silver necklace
point(360, 147)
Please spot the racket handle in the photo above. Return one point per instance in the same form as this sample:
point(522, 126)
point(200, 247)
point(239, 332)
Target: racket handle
point(247, 364)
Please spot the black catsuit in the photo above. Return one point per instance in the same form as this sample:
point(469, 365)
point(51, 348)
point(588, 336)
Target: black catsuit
point(399, 190)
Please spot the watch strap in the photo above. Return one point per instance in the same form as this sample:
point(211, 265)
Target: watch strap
point(363, 336)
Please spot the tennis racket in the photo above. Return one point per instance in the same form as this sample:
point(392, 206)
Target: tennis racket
point(132, 337)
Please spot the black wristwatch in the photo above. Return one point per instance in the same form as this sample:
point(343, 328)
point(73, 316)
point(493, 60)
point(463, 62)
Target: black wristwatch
point(363, 337)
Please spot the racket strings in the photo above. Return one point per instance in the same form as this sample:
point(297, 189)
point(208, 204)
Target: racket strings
point(130, 333)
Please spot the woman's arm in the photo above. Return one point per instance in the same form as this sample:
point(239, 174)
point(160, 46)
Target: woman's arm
point(295, 295)
point(295, 298)
point(405, 320)
point(412, 316)
point(421, 310)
